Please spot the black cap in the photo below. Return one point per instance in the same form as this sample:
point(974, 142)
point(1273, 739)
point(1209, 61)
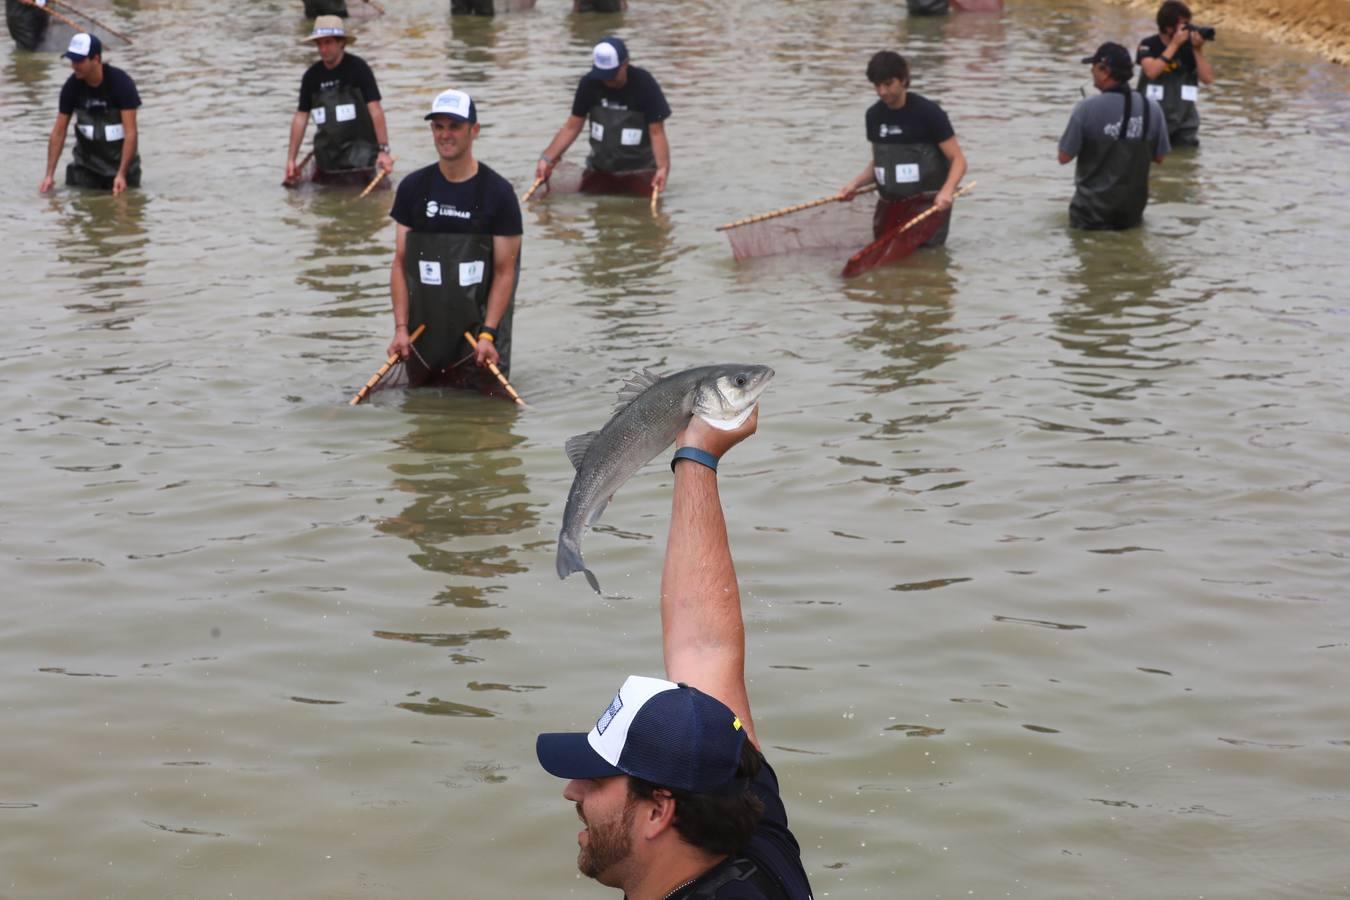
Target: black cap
point(1114, 56)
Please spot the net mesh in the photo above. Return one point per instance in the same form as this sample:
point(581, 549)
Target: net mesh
point(832, 226)
point(51, 27)
point(895, 241)
point(570, 178)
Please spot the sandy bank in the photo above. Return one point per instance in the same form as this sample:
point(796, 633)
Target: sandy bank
point(1322, 26)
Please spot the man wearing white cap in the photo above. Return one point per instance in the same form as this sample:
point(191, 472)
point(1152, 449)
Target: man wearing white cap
point(456, 258)
point(676, 799)
point(103, 99)
point(340, 94)
point(627, 111)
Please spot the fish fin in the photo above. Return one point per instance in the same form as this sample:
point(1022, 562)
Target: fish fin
point(569, 561)
point(634, 386)
point(577, 445)
point(599, 508)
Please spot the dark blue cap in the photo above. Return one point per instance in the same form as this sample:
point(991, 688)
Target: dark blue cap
point(671, 735)
point(1113, 56)
point(82, 46)
point(606, 59)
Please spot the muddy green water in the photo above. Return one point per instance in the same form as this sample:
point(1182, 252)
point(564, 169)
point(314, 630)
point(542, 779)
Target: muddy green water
point(1043, 539)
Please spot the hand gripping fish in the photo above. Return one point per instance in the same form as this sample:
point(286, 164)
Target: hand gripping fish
point(651, 411)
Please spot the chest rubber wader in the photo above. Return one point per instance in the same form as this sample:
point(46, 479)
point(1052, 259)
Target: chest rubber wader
point(601, 6)
point(316, 8)
point(902, 170)
point(1171, 90)
point(345, 137)
point(927, 7)
point(620, 140)
point(449, 278)
point(1112, 176)
point(27, 24)
point(99, 140)
point(473, 8)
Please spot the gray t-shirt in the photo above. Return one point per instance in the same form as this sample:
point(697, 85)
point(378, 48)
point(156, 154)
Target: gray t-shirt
point(1097, 119)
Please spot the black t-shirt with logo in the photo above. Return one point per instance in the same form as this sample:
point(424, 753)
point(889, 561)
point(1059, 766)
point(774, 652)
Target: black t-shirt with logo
point(640, 92)
point(426, 201)
point(1154, 46)
point(919, 121)
point(350, 71)
point(116, 90)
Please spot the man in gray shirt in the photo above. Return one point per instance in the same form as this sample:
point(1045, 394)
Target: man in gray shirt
point(1115, 137)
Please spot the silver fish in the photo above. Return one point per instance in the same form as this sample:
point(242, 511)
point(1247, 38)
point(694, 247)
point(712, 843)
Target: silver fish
point(651, 411)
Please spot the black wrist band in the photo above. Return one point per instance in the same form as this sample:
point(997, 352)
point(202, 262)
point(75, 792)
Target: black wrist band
point(693, 454)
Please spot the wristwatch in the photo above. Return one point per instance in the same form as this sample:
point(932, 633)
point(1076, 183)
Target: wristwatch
point(383, 148)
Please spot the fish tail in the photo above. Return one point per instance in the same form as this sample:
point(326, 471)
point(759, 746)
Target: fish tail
point(569, 561)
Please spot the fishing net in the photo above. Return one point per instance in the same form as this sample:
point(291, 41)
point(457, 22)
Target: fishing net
point(50, 24)
point(896, 241)
point(569, 178)
point(462, 375)
point(308, 173)
point(842, 225)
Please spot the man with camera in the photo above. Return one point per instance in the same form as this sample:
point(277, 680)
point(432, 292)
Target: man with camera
point(1115, 137)
point(1172, 66)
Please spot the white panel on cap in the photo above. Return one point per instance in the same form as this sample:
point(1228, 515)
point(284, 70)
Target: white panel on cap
point(634, 694)
point(79, 44)
point(606, 57)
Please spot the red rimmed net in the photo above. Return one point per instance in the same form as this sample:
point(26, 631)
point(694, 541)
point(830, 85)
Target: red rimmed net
point(895, 241)
point(570, 178)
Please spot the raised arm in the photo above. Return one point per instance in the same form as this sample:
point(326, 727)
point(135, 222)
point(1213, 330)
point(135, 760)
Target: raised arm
point(702, 632)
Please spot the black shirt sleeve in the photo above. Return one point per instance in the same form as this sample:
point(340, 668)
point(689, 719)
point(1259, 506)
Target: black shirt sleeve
point(648, 96)
point(66, 105)
point(938, 123)
point(406, 201)
point(587, 93)
point(122, 93)
point(873, 123)
point(360, 75)
point(1150, 47)
point(503, 209)
point(309, 85)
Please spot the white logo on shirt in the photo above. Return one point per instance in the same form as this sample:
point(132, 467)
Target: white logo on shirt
point(435, 209)
point(887, 130)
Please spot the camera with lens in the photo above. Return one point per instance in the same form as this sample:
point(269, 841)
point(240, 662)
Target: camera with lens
point(1204, 31)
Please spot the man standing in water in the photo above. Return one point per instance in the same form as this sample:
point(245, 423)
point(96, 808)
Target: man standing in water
point(914, 148)
point(456, 257)
point(103, 99)
point(1172, 66)
point(1115, 136)
point(628, 112)
point(676, 798)
point(339, 93)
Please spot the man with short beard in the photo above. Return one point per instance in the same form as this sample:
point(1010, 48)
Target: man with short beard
point(677, 801)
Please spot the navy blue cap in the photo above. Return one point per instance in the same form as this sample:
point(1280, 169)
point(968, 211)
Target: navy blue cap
point(1114, 56)
point(606, 58)
point(669, 734)
point(82, 46)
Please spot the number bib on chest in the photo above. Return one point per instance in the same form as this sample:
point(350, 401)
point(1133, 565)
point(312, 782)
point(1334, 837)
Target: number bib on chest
point(471, 273)
point(345, 112)
point(1190, 93)
point(1154, 92)
point(906, 173)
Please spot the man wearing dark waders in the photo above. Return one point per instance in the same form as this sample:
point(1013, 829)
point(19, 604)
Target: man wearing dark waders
point(600, 6)
point(339, 93)
point(1115, 136)
point(103, 100)
point(457, 258)
point(316, 8)
point(1172, 66)
point(927, 7)
point(627, 111)
point(914, 148)
point(676, 799)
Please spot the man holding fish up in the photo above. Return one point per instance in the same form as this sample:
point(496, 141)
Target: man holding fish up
point(675, 796)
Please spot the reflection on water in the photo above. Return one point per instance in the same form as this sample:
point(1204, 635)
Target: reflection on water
point(908, 319)
point(104, 247)
point(465, 493)
point(1119, 317)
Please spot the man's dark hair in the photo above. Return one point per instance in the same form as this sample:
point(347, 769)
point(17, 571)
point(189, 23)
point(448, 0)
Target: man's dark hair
point(887, 65)
point(1171, 13)
point(717, 823)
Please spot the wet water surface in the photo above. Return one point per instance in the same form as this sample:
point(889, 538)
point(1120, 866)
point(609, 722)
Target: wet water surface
point(1042, 540)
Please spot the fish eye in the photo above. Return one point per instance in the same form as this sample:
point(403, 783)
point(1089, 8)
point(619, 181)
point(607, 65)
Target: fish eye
point(740, 381)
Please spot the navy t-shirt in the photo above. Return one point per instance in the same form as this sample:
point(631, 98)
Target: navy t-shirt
point(919, 121)
point(116, 90)
point(351, 71)
point(640, 92)
point(426, 201)
point(772, 848)
point(1154, 46)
